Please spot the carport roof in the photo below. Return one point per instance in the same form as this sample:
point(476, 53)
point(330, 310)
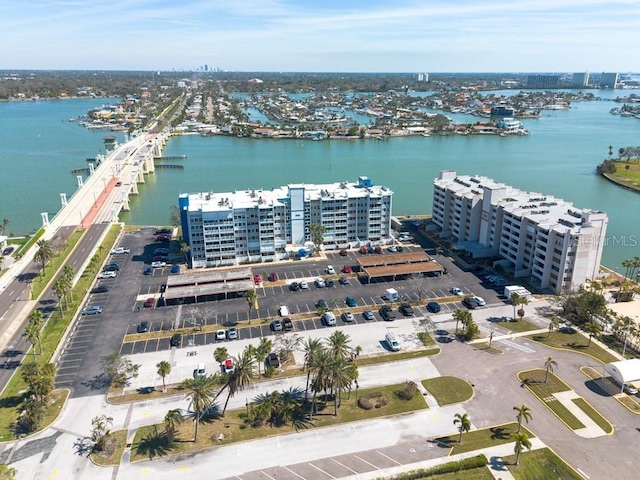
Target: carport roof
point(207, 289)
point(403, 269)
point(625, 371)
point(211, 276)
point(375, 260)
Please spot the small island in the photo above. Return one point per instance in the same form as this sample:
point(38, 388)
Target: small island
point(623, 170)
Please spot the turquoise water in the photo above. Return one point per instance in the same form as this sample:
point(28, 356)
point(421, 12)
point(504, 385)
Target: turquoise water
point(559, 158)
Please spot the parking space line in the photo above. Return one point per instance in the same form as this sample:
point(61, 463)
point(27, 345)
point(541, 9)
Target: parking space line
point(291, 471)
point(342, 465)
point(320, 470)
point(387, 456)
point(368, 463)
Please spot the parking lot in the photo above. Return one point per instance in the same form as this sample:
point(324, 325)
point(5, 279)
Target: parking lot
point(135, 296)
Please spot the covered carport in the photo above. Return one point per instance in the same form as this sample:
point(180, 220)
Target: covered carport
point(211, 283)
point(624, 372)
point(399, 264)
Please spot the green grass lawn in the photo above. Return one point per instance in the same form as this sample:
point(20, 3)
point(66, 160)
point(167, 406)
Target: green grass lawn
point(575, 342)
point(541, 464)
point(113, 454)
point(594, 415)
point(426, 339)
point(483, 438)
point(473, 474)
point(534, 380)
point(485, 347)
point(629, 177)
point(519, 326)
point(151, 442)
point(448, 389)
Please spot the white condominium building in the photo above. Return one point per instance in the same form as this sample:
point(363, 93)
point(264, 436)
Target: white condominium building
point(257, 225)
point(553, 244)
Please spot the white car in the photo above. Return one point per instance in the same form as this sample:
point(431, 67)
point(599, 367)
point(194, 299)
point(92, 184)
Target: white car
point(158, 264)
point(330, 270)
point(221, 334)
point(283, 311)
point(304, 285)
point(480, 301)
point(457, 291)
point(120, 250)
point(319, 282)
point(108, 274)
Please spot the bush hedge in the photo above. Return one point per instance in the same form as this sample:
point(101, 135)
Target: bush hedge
point(450, 467)
point(408, 391)
point(372, 400)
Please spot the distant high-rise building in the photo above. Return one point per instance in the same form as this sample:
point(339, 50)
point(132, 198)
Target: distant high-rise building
point(580, 79)
point(206, 68)
point(543, 81)
point(609, 80)
point(423, 77)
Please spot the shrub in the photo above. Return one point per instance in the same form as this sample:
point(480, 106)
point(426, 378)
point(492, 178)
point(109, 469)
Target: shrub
point(450, 467)
point(408, 390)
point(372, 400)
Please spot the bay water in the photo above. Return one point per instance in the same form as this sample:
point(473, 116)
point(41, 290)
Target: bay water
point(39, 146)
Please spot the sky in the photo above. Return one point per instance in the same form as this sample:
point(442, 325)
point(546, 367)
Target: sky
point(322, 35)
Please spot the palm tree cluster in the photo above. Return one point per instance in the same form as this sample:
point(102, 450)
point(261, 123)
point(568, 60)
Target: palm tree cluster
point(278, 408)
point(32, 331)
point(330, 368)
point(631, 266)
point(469, 327)
point(518, 301)
point(40, 385)
point(63, 286)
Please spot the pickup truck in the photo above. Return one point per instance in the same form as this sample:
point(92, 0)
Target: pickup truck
point(120, 250)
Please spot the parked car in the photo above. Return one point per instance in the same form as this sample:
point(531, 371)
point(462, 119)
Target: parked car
point(287, 324)
point(276, 326)
point(387, 313)
point(143, 327)
point(148, 303)
point(176, 340)
point(158, 264)
point(351, 302)
point(304, 285)
point(257, 278)
point(363, 250)
point(272, 360)
point(368, 315)
point(346, 269)
point(221, 334)
point(433, 307)
point(100, 289)
point(343, 280)
point(8, 251)
point(120, 250)
point(319, 283)
point(457, 291)
point(393, 249)
point(330, 270)
point(294, 286)
point(329, 282)
point(96, 310)
point(232, 333)
point(283, 311)
point(328, 319)
point(160, 258)
point(273, 277)
point(200, 371)
point(630, 389)
point(111, 267)
point(147, 271)
point(343, 253)
point(378, 250)
point(347, 317)
point(107, 274)
point(469, 302)
point(161, 251)
point(228, 366)
point(175, 268)
point(480, 301)
point(163, 238)
point(322, 303)
point(406, 310)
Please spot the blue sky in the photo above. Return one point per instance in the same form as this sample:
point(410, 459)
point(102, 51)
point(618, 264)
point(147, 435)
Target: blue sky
point(322, 35)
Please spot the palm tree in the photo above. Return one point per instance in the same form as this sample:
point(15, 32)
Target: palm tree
point(5, 224)
point(36, 318)
point(220, 354)
point(264, 348)
point(164, 369)
point(312, 347)
point(463, 423)
point(202, 391)
point(44, 253)
point(524, 413)
point(338, 345)
point(251, 297)
point(172, 419)
point(241, 376)
point(516, 301)
point(549, 365)
point(32, 335)
point(553, 324)
point(58, 290)
point(522, 442)
point(321, 380)
point(317, 232)
point(342, 373)
point(594, 329)
point(461, 316)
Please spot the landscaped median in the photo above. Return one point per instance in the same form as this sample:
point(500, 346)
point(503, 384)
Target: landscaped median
point(482, 438)
point(575, 342)
point(575, 412)
point(448, 390)
point(249, 424)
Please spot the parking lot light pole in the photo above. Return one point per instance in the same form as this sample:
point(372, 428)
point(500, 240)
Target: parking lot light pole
point(491, 337)
point(246, 403)
point(357, 387)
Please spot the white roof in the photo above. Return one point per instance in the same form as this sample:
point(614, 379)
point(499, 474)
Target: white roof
point(625, 371)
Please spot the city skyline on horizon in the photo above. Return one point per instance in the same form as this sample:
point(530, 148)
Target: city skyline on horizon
point(302, 36)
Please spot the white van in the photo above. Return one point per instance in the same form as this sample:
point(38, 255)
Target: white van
point(392, 341)
point(283, 311)
point(329, 319)
point(200, 371)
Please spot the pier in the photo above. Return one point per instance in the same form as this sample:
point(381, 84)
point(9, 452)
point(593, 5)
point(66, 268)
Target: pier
point(170, 158)
point(170, 165)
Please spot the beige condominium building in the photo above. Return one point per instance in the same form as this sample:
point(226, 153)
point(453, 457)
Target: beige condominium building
point(229, 228)
point(551, 243)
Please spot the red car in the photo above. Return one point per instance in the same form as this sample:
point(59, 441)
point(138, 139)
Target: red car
point(273, 277)
point(163, 238)
point(346, 269)
point(257, 278)
point(148, 303)
point(364, 250)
